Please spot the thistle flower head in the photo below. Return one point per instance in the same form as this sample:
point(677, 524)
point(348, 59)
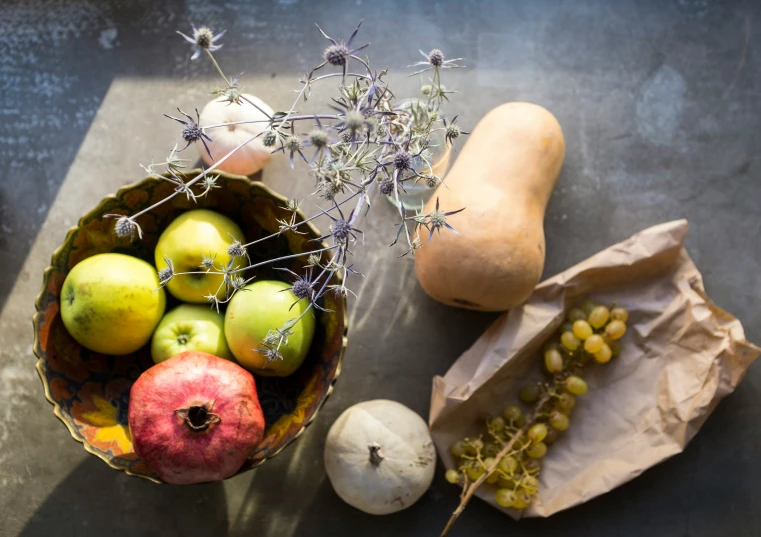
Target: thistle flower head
point(207, 262)
point(354, 120)
point(386, 187)
point(293, 143)
point(336, 54)
point(125, 228)
point(341, 230)
point(302, 288)
point(269, 139)
point(431, 181)
point(314, 260)
point(402, 159)
point(436, 58)
point(167, 273)
point(318, 138)
point(203, 39)
point(236, 249)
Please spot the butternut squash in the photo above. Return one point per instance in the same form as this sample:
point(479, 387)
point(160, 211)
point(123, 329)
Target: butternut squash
point(504, 177)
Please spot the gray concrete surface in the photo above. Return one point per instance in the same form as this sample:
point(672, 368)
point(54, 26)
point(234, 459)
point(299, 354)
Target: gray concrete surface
point(659, 100)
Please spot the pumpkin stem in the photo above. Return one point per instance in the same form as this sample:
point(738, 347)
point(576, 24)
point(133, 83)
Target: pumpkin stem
point(198, 417)
point(375, 453)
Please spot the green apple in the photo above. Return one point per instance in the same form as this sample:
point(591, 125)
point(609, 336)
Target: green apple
point(255, 310)
point(110, 303)
point(190, 327)
point(185, 241)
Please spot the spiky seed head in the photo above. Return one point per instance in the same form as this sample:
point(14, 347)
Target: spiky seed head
point(318, 138)
point(382, 130)
point(232, 96)
point(346, 136)
point(207, 262)
point(269, 139)
point(237, 282)
point(293, 143)
point(125, 228)
point(431, 181)
point(386, 187)
point(302, 288)
point(436, 58)
point(426, 90)
point(453, 132)
point(292, 205)
point(354, 120)
point(236, 249)
point(191, 132)
point(204, 37)
point(336, 55)
point(402, 159)
point(438, 219)
point(314, 260)
point(341, 230)
point(434, 115)
point(165, 274)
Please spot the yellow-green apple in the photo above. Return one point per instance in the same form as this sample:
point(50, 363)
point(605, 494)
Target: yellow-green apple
point(256, 310)
point(190, 327)
point(110, 303)
point(186, 241)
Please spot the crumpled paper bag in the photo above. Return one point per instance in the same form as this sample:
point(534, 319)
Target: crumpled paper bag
point(681, 355)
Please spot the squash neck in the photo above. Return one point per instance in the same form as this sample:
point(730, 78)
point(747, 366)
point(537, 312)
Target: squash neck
point(375, 453)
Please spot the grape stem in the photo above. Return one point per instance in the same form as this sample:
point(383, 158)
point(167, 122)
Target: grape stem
point(470, 489)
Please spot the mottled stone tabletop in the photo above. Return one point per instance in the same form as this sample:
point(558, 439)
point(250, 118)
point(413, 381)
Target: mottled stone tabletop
point(659, 101)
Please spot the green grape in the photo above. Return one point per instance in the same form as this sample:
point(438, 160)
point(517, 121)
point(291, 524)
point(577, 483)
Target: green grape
point(615, 329)
point(537, 450)
point(521, 500)
point(619, 314)
point(505, 483)
point(512, 413)
point(507, 464)
point(570, 341)
point(476, 445)
point(537, 432)
point(474, 472)
point(552, 437)
point(530, 484)
point(604, 354)
point(576, 385)
point(599, 316)
point(553, 361)
point(566, 402)
point(576, 314)
point(566, 327)
point(491, 449)
point(529, 393)
point(582, 330)
point(559, 421)
point(615, 348)
point(459, 448)
point(453, 476)
point(491, 478)
point(588, 306)
point(593, 343)
point(531, 466)
point(505, 497)
point(496, 424)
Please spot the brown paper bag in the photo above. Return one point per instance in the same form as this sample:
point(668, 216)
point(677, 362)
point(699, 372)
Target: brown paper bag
point(681, 355)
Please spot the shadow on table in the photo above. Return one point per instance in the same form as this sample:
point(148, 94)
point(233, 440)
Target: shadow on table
point(95, 500)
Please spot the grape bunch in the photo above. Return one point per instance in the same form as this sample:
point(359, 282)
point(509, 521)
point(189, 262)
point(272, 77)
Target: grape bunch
point(508, 455)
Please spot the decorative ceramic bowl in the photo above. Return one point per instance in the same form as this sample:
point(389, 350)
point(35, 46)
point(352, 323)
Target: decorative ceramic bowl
point(90, 391)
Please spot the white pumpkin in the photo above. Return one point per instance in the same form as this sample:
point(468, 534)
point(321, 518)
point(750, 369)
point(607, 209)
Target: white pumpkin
point(248, 159)
point(379, 456)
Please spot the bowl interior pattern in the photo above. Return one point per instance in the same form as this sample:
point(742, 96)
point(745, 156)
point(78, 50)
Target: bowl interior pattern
point(90, 391)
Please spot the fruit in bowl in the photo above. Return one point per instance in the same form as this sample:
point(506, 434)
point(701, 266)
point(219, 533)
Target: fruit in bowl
point(251, 315)
point(185, 242)
point(190, 327)
point(90, 391)
point(111, 303)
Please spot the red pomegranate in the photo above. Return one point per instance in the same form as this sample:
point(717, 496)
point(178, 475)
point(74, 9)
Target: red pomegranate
point(195, 418)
